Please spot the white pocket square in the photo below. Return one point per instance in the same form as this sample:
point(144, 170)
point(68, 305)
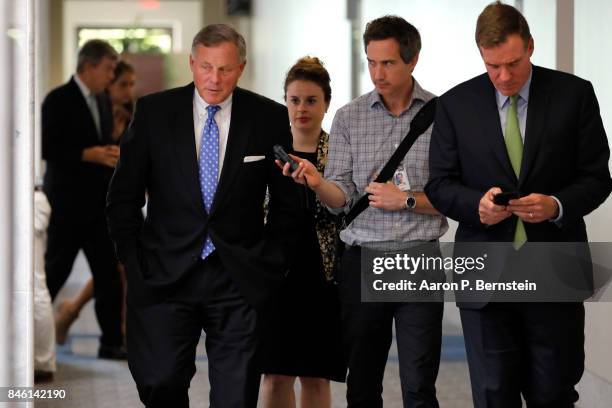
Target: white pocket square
point(249, 159)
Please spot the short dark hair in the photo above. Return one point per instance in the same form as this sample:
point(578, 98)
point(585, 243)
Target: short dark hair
point(215, 34)
point(397, 28)
point(93, 52)
point(310, 69)
point(496, 22)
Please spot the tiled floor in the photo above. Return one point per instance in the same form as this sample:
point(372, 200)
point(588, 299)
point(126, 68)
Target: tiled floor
point(93, 383)
point(90, 382)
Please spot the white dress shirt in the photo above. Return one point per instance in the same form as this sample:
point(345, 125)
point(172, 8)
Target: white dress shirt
point(222, 118)
point(92, 103)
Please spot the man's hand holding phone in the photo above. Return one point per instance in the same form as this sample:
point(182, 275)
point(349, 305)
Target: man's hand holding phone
point(504, 197)
point(495, 206)
point(534, 208)
point(491, 213)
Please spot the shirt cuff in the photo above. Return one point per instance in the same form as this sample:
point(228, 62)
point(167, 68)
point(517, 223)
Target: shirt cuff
point(347, 205)
point(560, 216)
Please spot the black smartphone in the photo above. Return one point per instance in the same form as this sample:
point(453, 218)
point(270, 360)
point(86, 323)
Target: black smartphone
point(282, 156)
point(505, 197)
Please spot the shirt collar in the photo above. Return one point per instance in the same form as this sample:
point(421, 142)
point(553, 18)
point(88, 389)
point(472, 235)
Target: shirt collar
point(418, 94)
point(523, 93)
point(84, 89)
point(201, 104)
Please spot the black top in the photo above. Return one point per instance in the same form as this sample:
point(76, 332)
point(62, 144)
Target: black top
point(309, 259)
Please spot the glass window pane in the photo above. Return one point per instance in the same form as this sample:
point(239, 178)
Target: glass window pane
point(132, 40)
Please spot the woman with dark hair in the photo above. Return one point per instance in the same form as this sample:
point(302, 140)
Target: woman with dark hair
point(302, 335)
point(121, 94)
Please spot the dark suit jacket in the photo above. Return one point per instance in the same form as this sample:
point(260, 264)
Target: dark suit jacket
point(158, 155)
point(76, 189)
point(566, 155)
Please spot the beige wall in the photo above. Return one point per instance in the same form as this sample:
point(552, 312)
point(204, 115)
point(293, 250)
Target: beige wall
point(592, 58)
point(54, 73)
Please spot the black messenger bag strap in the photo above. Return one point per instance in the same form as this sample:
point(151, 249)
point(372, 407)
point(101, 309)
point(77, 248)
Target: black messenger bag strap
point(419, 124)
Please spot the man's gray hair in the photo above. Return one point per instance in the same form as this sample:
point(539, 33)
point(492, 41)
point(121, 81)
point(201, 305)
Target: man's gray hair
point(93, 52)
point(215, 34)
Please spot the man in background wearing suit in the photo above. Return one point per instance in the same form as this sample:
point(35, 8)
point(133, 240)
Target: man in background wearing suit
point(80, 155)
point(203, 259)
point(481, 126)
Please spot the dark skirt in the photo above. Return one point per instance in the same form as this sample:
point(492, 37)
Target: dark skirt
point(302, 332)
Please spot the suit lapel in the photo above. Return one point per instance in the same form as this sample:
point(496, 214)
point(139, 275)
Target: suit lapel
point(537, 108)
point(237, 141)
point(184, 145)
point(493, 130)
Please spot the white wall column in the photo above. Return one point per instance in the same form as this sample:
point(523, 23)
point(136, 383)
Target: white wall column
point(22, 30)
point(5, 193)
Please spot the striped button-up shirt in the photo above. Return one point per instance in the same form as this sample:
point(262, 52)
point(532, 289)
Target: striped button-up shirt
point(363, 137)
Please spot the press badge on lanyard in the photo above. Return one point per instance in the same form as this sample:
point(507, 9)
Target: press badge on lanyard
point(400, 179)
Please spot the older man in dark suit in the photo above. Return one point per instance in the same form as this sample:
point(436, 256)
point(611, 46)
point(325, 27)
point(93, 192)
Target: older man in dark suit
point(80, 156)
point(538, 132)
point(203, 259)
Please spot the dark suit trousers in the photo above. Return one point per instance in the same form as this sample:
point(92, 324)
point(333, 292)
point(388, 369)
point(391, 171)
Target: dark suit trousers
point(65, 237)
point(162, 337)
point(367, 335)
point(536, 349)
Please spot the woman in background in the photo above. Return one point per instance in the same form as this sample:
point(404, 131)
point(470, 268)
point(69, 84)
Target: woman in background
point(302, 335)
point(121, 94)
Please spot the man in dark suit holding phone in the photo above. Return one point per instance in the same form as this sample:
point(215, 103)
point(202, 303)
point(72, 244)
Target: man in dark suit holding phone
point(80, 155)
point(519, 128)
point(203, 259)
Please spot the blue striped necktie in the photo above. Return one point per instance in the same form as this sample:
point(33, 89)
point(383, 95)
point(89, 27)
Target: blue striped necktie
point(209, 167)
